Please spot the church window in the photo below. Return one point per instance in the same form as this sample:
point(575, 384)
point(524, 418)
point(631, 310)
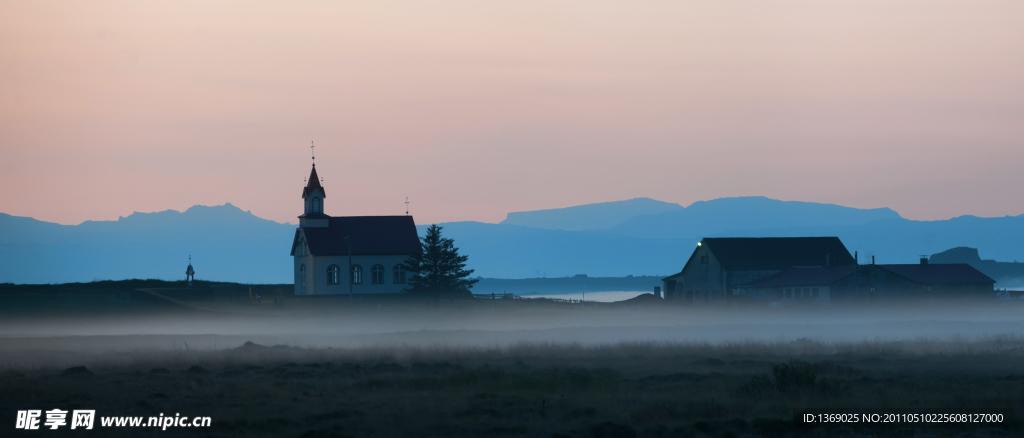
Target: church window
point(333, 274)
point(703, 260)
point(316, 205)
point(357, 274)
point(377, 274)
point(302, 278)
point(399, 274)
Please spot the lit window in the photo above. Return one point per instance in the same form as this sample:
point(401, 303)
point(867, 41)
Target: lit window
point(399, 271)
point(333, 274)
point(377, 274)
point(357, 274)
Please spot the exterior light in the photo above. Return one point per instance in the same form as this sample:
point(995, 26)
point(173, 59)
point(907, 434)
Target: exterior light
point(698, 243)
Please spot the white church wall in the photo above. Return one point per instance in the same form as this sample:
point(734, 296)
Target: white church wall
point(316, 274)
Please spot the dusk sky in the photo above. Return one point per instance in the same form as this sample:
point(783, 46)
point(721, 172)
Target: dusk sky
point(474, 109)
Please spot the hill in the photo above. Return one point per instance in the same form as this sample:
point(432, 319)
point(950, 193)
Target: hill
point(589, 216)
point(229, 244)
point(226, 244)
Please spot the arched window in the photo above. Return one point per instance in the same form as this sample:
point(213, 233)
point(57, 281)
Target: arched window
point(302, 278)
point(377, 274)
point(316, 204)
point(399, 271)
point(357, 274)
point(333, 274)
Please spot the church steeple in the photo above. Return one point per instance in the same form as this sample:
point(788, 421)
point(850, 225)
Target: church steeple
point(313, 185)
point(313, 194)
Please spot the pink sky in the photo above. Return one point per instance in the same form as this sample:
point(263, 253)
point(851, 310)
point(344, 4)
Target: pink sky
point(474, 109)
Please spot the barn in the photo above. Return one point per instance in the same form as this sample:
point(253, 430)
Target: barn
point(719, 267)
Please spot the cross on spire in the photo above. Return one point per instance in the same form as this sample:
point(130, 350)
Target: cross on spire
point(406, 205)
point(312, 152)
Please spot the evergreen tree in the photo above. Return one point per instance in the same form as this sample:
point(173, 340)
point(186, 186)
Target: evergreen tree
point(438, 268)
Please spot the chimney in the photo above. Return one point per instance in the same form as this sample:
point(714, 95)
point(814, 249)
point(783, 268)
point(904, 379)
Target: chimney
point(924, 260)
point(856, 258)
point(872, 260)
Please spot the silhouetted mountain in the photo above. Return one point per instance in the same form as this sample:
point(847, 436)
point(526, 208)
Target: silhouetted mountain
point(1009, 274)
point(228, 244)
point(727, 216)
point(225, 242)
point(512, 251)
point(589, 216)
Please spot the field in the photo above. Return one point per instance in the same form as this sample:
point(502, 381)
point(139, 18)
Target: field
point(327, 368)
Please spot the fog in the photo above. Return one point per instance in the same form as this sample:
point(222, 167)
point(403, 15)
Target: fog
point(59, 341)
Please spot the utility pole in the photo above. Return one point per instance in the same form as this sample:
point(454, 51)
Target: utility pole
point(351, 280)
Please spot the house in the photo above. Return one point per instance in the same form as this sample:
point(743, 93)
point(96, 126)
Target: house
point(720, 266)
point(361, 254)
point(799, 284)
point(870, 283)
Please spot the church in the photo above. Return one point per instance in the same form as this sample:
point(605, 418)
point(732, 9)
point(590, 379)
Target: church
point(364, 254)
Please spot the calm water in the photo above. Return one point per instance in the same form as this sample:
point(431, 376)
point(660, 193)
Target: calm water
point(603, 297)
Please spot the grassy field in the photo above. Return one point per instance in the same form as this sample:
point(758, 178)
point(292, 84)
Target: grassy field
point(547, 390)
point(323, 367)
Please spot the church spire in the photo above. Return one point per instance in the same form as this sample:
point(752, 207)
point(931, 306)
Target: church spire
point(313, 184)
point(313, 194)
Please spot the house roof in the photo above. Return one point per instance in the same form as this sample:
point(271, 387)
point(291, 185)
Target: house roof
point(371, 235)
point(805, 276)
point(776, 253)
point(313, 184)
point(939, 273)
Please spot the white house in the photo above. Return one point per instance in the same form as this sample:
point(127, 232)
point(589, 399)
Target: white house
point(325, 247)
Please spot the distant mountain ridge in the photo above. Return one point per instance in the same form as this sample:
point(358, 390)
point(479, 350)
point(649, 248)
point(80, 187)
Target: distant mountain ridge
point(727, 216)
point(226, 243)
point(635, 237)
point(589, 216)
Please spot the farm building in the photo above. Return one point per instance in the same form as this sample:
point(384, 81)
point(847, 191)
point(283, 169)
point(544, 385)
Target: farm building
point(783, 270)
point(720, 266)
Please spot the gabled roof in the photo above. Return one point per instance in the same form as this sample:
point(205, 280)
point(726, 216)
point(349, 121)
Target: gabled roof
point(805, 276)
point(313, 184)
point(371, 235)
point(776, 253)
point(939, 273)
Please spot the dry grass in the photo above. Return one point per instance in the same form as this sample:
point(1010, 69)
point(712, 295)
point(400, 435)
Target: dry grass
point(651, 389)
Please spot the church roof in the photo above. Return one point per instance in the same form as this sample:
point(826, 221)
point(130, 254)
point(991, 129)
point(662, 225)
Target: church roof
point(313, 184)
point(371, 235)
point(776, 253)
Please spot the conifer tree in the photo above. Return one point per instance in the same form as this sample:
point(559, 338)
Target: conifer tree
point(438, 268)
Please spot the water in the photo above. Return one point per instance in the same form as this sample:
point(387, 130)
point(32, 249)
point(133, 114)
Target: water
point(602, 297)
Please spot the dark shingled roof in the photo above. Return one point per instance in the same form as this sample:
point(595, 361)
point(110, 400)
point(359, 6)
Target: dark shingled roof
point(804, 276)
point(371, 235)
point(939, 273)
point(776, 253)
point(313, 184)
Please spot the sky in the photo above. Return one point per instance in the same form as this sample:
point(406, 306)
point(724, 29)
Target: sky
point(474, 109)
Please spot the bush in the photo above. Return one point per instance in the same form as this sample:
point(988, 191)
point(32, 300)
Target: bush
point(794, 378)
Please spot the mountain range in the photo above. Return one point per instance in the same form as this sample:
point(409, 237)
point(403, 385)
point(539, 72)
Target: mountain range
point(633, 237)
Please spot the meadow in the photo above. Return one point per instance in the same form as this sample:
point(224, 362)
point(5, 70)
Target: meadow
point(547, 390)
point(379, 368)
